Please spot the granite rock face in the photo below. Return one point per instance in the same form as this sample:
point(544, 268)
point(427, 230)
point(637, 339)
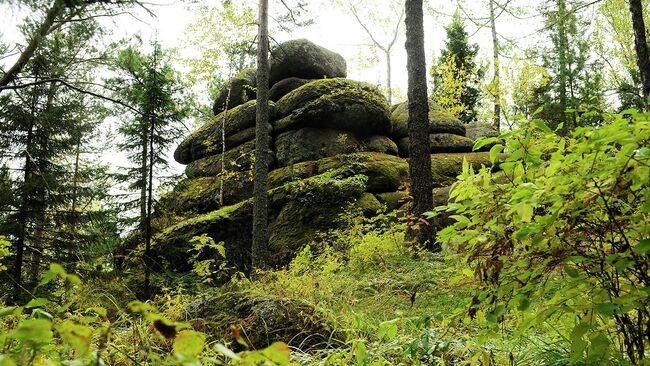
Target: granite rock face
point(338, 150)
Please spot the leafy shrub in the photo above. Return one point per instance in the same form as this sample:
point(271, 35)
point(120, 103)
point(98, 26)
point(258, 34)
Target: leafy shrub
point(564, 222)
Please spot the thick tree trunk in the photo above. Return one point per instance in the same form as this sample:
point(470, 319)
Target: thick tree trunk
point(260, 172)
point(422, 232)
point(641, 46)
point(497, 69)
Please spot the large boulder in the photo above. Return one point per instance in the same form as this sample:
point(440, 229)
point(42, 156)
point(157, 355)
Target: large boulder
point(261, 321)
point(441, 143)
point(312, 144)
point(237, 91)
point(339, 104)
point(203, 194)
point(304, 59)
point(237, 124)
point(305, 199)
point(239, 159)
point(439, 121)
point(379, 143)
point(285, 86)
point(477, 130)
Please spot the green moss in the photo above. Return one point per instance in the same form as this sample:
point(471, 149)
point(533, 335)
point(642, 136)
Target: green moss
point(262, 319)
point(207, 139)
point(337, 103)
point(440, 121)
point(392, 200)
point(445, 168)
point(368, 205)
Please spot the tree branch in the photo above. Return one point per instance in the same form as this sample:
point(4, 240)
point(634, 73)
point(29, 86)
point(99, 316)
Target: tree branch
point(43, 29)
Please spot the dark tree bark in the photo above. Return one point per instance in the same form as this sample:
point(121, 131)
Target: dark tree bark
point(497, 67)
point(422, 231)
point(260, 171)
point(641, 46)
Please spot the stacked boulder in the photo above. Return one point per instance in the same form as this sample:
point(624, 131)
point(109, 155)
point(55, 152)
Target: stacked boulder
point(338, 152)
point(446, 133)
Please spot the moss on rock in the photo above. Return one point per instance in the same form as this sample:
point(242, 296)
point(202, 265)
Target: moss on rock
point(445, 168)
point(392, 200)
point(239, 159)
point(439, 121)
point(207, 140)
point(202, 194)
point(339, 104)
point(237, 91)
point(379, 143)
point(285, 86)
point(441, 143)
point(261, 320)
point(312, 144)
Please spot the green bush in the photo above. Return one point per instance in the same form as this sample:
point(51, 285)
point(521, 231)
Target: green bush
point(559, 231)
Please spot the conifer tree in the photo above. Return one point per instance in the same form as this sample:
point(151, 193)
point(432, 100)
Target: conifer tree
point(50, 127)
point(149, 83)
point(462, 56)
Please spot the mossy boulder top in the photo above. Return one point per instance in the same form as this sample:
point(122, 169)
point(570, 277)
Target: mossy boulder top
point(440, 143)
point(439, 121)
point(304, 59)
point(237, 125)
point(239, 90)
point(339, 104)
point(285, 86)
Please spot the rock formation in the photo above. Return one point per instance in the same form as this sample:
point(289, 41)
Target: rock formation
point(338, 150)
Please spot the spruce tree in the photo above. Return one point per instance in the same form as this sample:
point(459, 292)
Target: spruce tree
point(466, 71)
point(45, 126)
point(149, 84)
point(575, 85)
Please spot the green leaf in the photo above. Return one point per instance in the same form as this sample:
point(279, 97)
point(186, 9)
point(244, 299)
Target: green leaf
point(571, 271)
point(226, 352)
point(360, 354)
point(606, 308)
point(495, 151)
point(55, 270)
point(189, 343)
point(34, 331)
point(10, 310)
point(484, 141)
point(77, 336)
point(524, 304)
point(542, 126)
point(36, 303)
point(643, 247)
point(278, 353)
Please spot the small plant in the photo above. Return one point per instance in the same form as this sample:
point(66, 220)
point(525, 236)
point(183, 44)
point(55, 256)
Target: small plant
point(207, 269)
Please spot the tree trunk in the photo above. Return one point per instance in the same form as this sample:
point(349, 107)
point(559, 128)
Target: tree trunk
point(641, 46)
point(563, 62)
point(497, 71)
point(422, 232)
point(153, 101)
point(41, 32)
point(388, 77)
point(260, 172)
